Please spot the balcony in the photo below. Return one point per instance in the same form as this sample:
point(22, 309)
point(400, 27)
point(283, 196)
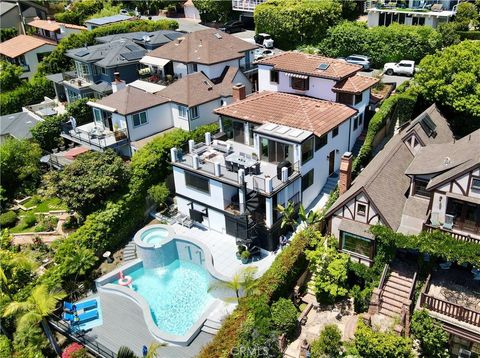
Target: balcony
point(460, 235)
point(223, 160)
point(93, 136)
point(245, 5)
point(76, 82)
point(453, 296)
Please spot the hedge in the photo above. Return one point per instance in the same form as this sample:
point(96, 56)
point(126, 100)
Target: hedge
point(399, 107)
point(278, 281)
point(469, 35)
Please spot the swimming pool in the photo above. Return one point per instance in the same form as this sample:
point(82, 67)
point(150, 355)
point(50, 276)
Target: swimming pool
point(177, 294)
point(154, 236)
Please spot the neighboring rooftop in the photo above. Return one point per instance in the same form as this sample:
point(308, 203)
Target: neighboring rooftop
point(355, 84)
point(52, 25)
point(110, 54)
point(108, 20)
point(314, 115)
point(154, 38)
point(206, 47)
point(18, 125)
point(311, 65)
point(22, 44)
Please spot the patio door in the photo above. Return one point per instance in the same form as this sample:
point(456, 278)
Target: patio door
point(331, 162)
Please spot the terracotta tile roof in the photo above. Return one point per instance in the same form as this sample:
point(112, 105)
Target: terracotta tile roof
point(314, 115)
point(21, 44)
point(196, 88)
point(355, 84)
point(52, 25)
point(130, 100)
point(206, 47)
point(298, 62)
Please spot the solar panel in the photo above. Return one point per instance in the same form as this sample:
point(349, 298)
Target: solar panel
point(428, 125)
point(133, 55)
point(82, 53)
point(323, 66)
point(132, 47)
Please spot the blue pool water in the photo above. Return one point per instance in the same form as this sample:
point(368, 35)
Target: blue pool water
point(154, 236)
point(176, 293)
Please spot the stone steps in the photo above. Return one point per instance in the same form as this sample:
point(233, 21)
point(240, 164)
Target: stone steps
point(129, 252)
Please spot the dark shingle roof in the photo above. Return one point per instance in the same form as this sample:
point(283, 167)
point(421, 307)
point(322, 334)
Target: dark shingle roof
point(108, 19)
point(155, 38)
point(17, 125)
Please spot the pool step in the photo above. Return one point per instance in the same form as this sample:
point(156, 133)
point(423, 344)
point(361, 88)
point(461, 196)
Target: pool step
point(209, 330)
point(129, 252)
point(212, 324)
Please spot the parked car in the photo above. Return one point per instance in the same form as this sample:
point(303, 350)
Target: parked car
point(262, 53)
point(365, 61)
point(404, 67)
point(232, 26)
point(264, 39)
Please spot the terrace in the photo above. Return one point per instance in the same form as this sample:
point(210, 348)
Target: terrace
point(235, 164)
point(451, 228)
point(93, 136)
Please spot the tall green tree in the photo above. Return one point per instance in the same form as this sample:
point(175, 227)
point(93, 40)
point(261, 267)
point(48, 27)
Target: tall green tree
point(213, 10)
point(20, 166)
point(9, 75)
point(47, 132)
point(433, 338)
point(35, 309)
point(80, 111)
point(466, 16)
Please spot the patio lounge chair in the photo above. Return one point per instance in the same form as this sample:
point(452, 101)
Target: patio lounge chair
point(87, 316)
point(86, 305)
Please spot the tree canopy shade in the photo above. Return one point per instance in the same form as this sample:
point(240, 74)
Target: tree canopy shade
point(86, 184)
point(451, 78)
point(79, 11)
point(20, 165)
point(9, 75)
point(383, 44)
point(292, 22)
point(433, 339)
point(47, 132)
point(214, 10)
point(466, 16)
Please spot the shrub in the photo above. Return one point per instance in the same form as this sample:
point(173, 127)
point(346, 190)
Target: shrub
point(8, 219)
point(159, 194)
point(29, 219)
point(74, 350)
point(292, 23)
point(213, 10)
point(47, 132)
point(40, 228)
point(5, 347)
point(7, 33)
point(328, 343)
point(361, 298)
point(469, 35)
point(9, 75)
point(284, 316)
point(433, 339)
point(80, 111)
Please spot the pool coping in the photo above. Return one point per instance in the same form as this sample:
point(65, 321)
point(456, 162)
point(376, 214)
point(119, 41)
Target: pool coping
point(137, 239)
point(104, 284)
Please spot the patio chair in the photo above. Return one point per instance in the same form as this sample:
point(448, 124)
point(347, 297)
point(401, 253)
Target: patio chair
point(69, 317)
point(86, 305)
point(434, 221)
point(448, 224)
point(87, 316)
point(437, 7)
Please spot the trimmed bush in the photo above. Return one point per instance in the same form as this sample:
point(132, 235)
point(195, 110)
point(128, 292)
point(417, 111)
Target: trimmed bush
point(329, 343)
point(284, 316)
point(433, 339)
point(469, 35)
point(29, 219)
point(8, 219)
point(159, 194)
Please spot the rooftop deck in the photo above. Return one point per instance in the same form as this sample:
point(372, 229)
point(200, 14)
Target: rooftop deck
point(94, 137)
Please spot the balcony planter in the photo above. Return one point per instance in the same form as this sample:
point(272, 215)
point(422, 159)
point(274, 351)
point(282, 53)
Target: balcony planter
point(119, 135)
point(245, 255)
point(241, 249)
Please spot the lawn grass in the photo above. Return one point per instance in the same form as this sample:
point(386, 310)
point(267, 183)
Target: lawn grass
point(45, 205)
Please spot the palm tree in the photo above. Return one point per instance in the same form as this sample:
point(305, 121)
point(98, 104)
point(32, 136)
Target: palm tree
point(243, 280)
point(35, 309)
point(312, 218)
point(125, 352)
point(79, 262)
point(288, 213)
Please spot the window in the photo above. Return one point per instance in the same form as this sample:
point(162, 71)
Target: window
point(194, 112)
point(83, 70)
point(307, 180)
point(97, 115)
point(358, 98)
point(274, 76)
point(475, 183)
point(345, 98)
point(355, 123)
point(421, 188)
point(361, 209)
point(334, 132)
point(321, 142)
point(197, 182)
point(223, 103)
point(275, 152)
point(195, 67)
point(307, 150)
point(356, 244)
point(139, 119)
point(182, 111)
point(299, 83)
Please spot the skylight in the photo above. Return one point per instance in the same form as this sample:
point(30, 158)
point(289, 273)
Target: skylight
point(323, 66)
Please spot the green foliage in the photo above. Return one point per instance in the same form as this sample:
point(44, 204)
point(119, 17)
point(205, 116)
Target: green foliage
point(79, 12)
point(449, 33)
point(466, 16)
point(30, 92)
point(47, 132)
point(469, 35)
point(159, 194)
point(383, 44)
point(106, 10)
point(20, 163)
point(373, 344)
point(330, 268)
point(5, 347)
point(284, 316)
point(89, 181)
point(436, 244)
point(292, 23)
point(30, 219)
point(8, 219)
point(329, 343)
point(125, 352)
point(79, 110)
point(7, 33)
point(288, 215)
point(56, 61)
point(450, 78)
point(9, 76)
point(433, 339)
point(351, 9)
point(213, 10)
point(361, 298)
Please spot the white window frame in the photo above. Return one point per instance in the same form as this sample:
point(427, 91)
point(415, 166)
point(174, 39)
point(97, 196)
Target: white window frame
point(193, 112)
point(140, 122)
point(97, 116)
point(182, 111)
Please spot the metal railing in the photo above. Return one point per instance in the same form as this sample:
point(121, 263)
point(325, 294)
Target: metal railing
point(100, 140)
point(457, 236)
point(97, 349)
point(245, 5)
point(383, 278)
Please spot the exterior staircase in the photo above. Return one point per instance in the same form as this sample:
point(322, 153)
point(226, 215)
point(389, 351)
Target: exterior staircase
point(130, 252)
point(395, 293)
point(211, 326)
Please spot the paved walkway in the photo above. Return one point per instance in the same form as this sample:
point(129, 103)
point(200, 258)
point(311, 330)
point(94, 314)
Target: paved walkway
point(46, 237)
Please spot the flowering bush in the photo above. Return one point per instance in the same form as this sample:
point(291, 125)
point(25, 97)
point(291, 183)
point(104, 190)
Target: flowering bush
point(74, 350)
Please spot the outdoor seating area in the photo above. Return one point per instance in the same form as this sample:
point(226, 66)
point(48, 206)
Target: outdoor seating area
point(93, 135)
point(82, 315)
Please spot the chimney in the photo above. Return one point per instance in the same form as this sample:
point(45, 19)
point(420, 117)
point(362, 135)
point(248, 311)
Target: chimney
point(117, 83)
point(238, 92)
point(345, 172)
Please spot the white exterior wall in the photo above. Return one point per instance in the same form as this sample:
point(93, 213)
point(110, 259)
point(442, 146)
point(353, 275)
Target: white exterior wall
point(32, 60)
point(158, 119)
point(318, 87)
point(214, 71)
point(119, 120)
point(191, 12)
point(179, 69)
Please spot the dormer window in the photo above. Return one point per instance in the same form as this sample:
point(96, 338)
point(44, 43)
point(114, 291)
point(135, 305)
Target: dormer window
point(420, 188)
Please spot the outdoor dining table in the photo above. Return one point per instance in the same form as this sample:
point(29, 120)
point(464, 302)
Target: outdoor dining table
point(241, 162)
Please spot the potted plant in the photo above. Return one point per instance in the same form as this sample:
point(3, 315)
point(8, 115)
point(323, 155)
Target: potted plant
point(240, 250)
point(245, 256)
point(171, 10)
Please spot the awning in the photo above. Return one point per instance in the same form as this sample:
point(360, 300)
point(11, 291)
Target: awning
point(296, 75)
point(468, 199)
point(156, 61)
point(101, 106)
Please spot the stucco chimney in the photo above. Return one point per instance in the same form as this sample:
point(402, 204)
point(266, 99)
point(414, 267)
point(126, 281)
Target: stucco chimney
point(345, 172)
point(238, 92)
point(117, 83)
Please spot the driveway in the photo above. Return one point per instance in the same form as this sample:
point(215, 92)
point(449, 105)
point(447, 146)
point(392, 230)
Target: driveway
point(386, 79)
